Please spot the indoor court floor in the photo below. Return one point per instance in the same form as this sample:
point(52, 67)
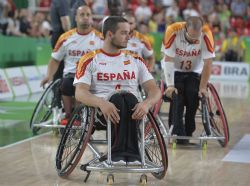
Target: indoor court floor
point(30, 160)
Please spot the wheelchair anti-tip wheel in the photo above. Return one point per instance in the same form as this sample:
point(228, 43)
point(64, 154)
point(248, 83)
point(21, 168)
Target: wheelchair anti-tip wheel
point(43, 111)
point(74, 140)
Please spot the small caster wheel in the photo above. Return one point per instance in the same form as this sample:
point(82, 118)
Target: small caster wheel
point(143, 179)
point(110, 179)
point(174, 144)
point(55, 132)
point(204, 145)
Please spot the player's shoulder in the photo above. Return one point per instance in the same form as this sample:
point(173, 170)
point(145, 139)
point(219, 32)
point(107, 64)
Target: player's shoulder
point(89, 56)
point(133, 56)
point(67, 34)
point(175, 27)
point(140, 36)
point(64, 37)
point(98, 34)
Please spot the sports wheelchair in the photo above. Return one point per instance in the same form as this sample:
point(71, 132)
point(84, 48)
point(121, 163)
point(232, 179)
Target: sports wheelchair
point(212, 116)
point(48, 111)
point(80, 133)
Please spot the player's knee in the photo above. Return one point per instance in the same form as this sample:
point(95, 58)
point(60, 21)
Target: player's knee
point(67, 87)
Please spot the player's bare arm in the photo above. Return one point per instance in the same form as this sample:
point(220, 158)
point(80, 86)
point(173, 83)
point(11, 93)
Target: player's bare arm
point(153, 96)
point(205, 76)
point(51, 70)
point(108, 109)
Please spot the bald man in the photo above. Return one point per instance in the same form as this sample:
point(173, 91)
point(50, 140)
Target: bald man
point(188, 49)
point(70, 47)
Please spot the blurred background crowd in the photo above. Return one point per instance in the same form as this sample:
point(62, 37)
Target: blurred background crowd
point(228, 19)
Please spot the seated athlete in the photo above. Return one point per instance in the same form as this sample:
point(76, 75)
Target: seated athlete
point(70, 47)
point(102, 72)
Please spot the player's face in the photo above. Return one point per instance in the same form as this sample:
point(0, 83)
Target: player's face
point(121, 36)
point(84, 17)
point(192, 36)
point(132, 22)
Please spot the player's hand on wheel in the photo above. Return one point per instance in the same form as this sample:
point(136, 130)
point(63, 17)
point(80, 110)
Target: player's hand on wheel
point(170, 90)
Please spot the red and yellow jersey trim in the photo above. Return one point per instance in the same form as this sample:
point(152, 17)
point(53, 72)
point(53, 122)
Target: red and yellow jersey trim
point(208, 38)
point(135, 56)
point(170, 33)
point(143, 38)
point(99, 34)
point(63, 38)
point(84, 61)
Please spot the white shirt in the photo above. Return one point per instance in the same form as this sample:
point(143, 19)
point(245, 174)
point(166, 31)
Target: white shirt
point(106, 73)
point(71, 46)
point(187, 57)
point(140, 44)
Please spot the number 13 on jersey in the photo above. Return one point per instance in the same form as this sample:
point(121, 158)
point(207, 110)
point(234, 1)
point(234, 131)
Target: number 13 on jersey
point(186, 65)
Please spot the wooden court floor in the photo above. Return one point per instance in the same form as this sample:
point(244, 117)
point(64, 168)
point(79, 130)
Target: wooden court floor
point(32, 162)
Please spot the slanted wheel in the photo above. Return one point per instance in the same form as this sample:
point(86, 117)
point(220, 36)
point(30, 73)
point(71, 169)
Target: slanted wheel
point(218, 120)
point(44, 108)
point(74, 140)
point(155, 148)
point(157, 107)
point(143, 179)
point(110, 179)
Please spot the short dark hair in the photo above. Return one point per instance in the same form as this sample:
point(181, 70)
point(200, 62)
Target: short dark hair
point(194, 22)
point(110, 24)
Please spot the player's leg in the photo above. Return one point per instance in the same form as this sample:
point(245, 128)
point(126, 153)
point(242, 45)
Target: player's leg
point(192, 83)
point(68, 91)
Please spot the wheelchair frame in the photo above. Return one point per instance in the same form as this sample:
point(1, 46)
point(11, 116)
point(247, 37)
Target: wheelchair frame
point(66, 163)
point(213, 119)
point(48, 111)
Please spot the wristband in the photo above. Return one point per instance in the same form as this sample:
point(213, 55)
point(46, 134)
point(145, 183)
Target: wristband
point(168, 69)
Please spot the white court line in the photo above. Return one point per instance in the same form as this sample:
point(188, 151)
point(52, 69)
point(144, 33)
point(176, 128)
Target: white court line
point(23, 141)
point(240, 152)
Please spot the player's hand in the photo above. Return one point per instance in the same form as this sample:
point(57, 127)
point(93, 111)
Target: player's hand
point(110, 111)
point(140, 110)
point(203, 92)
point(169, 91)
point(44, 81)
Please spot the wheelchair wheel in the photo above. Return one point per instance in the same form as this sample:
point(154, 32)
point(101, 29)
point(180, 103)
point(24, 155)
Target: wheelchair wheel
point(43, 110)
point(74, 140)
point(218, 120)
point(159, 103)
point(155, 148)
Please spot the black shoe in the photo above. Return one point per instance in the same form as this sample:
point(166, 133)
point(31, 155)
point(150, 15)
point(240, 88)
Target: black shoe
point(133, 161)
point(182, 141)
point(118, 160)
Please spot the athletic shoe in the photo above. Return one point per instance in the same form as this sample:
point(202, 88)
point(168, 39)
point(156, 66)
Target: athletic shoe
point(118, 160)
point(133, 161)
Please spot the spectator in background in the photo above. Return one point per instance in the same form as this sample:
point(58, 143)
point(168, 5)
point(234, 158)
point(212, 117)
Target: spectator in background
point(172, 11)
point(190, 11)
point(238, 8)
point(99, 7)
point(23, 18)
point(233, 48)
point(4, 8)
point(60, 21)
point(206, 7)
point(224, 14)
point(143, 12)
